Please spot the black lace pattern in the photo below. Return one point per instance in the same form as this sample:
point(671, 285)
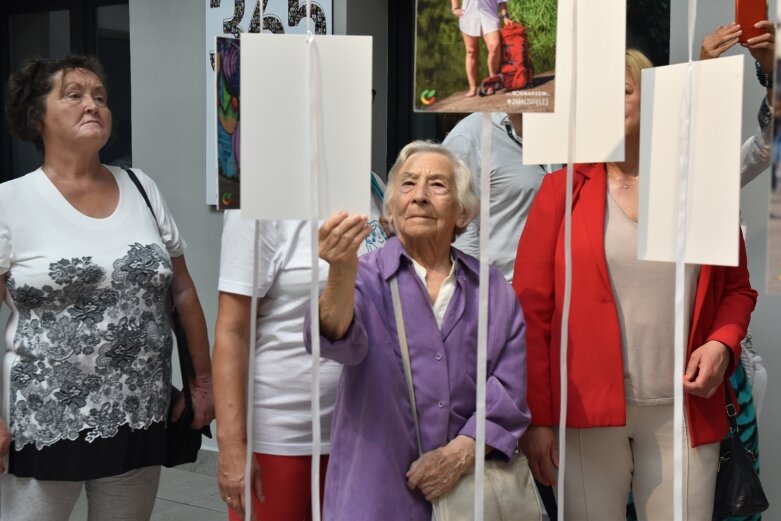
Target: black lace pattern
point(93, 348)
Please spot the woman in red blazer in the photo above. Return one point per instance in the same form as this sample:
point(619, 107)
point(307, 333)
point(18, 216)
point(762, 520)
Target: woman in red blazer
point(619, 412)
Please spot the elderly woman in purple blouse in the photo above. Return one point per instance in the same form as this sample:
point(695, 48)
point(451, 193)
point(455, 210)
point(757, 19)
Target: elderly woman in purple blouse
point(375, 471)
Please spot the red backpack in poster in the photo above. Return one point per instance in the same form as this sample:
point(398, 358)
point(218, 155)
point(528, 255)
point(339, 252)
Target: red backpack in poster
point(515, 70)
point(516, 67)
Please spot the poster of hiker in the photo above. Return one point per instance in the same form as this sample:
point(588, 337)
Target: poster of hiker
point(485, 55)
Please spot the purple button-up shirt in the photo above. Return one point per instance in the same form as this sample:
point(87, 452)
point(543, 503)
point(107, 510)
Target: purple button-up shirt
point(373, 438)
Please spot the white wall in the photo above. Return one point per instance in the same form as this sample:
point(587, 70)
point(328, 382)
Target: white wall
point(754, 207)
point(167, 41)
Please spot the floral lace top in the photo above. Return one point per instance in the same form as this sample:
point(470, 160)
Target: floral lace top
point(88, 345)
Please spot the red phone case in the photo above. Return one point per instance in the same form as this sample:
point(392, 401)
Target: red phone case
point(747, 13)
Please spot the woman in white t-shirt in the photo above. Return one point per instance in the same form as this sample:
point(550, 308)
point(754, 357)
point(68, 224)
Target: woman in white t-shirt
point(282, 433)
point(85, 269)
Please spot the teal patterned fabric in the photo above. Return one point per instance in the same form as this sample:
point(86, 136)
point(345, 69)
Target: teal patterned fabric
point(747, 423)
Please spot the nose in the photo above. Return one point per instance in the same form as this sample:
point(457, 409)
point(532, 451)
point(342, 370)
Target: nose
point(90, 104)
point(420, 194)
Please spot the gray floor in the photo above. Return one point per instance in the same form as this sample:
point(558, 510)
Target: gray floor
point(186, 493)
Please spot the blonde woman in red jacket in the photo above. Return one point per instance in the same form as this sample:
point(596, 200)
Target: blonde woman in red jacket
point(620, 412)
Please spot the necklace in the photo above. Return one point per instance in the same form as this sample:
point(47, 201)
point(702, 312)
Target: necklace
point(623, 183)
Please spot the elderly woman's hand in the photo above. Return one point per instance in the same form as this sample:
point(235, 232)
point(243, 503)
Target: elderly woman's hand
point(340, 237)
point(706, 368)
point(719, 41)
point(437, 472)
point(5, 443)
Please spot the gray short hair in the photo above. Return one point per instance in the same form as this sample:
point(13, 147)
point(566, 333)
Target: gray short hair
point(468, 201)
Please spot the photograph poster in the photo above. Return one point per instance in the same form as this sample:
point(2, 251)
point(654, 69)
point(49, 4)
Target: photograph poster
point(485, 56)
point(229, 19)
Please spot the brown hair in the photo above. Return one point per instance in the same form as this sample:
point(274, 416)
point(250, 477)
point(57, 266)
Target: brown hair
point(25, 95)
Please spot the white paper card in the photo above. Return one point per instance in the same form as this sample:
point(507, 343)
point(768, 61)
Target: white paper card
point(276, 122)
point(599, 134)
point(713, 204)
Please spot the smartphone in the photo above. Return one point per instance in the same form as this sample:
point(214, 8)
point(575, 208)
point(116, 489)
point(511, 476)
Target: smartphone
point(747, 13)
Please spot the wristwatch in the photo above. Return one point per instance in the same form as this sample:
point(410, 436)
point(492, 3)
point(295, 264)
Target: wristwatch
point(765, 79)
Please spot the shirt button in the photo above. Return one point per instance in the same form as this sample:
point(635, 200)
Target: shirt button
point(441, 404)
point(438, 356)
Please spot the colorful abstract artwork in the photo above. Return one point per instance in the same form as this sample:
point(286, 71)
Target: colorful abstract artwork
point(228, 123)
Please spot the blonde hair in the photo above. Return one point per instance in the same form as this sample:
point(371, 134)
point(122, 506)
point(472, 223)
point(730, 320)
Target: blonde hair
point(636, 61)
point(468, 202)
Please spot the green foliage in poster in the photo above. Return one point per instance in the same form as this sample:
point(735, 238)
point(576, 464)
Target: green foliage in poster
point(439, 53)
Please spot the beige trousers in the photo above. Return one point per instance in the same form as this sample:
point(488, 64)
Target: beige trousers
point(604, 464)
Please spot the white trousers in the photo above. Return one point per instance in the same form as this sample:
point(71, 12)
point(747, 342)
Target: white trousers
point(604, 464)
point(126, 497)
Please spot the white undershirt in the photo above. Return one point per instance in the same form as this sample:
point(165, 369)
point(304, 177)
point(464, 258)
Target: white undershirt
point(445, 290)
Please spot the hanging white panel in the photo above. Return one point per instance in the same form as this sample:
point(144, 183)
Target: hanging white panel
point(601, 39)
point(713, 201)
point(276, 120)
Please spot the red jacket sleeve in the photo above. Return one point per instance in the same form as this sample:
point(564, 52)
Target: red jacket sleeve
point(734, 308)
point(534, 284)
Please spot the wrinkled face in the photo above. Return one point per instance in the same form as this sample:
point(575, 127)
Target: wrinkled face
point(425, 205)
point(77, 113)
point(632, 106)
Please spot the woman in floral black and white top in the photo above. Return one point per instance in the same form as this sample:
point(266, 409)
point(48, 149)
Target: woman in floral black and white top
point(86, 270)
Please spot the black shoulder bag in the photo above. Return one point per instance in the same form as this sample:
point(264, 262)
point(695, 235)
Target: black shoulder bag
point(738, 489)
point(182, 441)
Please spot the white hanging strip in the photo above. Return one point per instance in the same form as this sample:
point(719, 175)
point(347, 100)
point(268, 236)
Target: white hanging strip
point(250, 409)
point(482, 312)
point(680, 272)
point(315, 111)
point(567, 265)
point(248, 506)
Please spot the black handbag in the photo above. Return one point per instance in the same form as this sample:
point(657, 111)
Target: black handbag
point(738, 489)
point(182, 441)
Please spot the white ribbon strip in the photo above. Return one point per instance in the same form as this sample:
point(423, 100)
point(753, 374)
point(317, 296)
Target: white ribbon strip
point(315, 109)
point(680, 277)
point(250, 406)
point(482, 312)
point(567, 265)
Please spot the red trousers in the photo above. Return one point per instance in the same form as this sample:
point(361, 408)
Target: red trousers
point(286, 487)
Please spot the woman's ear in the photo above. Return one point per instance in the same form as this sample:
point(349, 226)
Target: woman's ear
point(463, 219)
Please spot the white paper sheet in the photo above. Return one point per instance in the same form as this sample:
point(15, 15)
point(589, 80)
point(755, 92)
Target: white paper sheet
point(601, 39)
point(275, 125)
point(714, 177)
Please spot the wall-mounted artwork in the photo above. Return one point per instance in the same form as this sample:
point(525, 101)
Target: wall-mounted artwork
point(231, 18)
point(228, 107)
point(485, 56)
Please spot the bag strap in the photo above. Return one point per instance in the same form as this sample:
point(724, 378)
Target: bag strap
point(732, 412)
point(185, 361)
point(401, 331)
